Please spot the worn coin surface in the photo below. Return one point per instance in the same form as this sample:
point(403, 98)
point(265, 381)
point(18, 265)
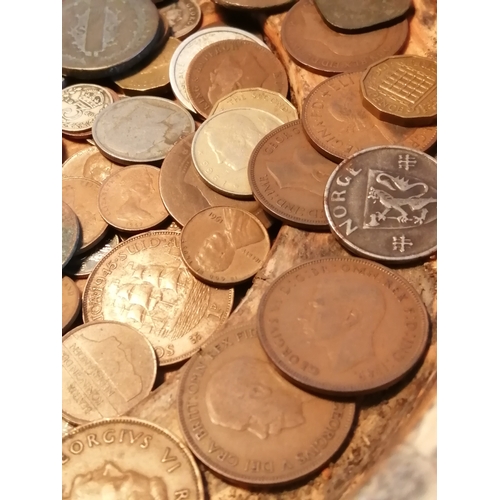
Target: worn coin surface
point(223, 145)
point(71, 303)
point(360, 326)
point(382, 204)
point(144, 282)
point(140, 129)
point(338, 124)
point(130, 199)
point(100, 39)
point(311, 43)
point(234, 404)
point(107, 368)
point(89, 163)
point(70, 233)
point(288, 177)
point(71, 146)
point(228, 65)
point(127, 459)
point(183, 16)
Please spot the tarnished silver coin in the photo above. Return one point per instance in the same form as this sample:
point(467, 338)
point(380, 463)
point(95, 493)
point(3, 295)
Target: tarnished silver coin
point(140, 129)
point(70, 233)
point(382, 203)
point(183, 16)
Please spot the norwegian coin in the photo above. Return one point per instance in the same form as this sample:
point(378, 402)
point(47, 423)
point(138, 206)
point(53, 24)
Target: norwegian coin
point(91, 164)
point(183, 16)
point(382, 204)
point(228, 65)
point(127, 458)
point(223, 145)
point(101, 39)
point(311, 43)
point(231, 399)
point(402, 90)
point(71, 303)
point(186, 51)
point(338, 125)
point(107, 369)
point(81, 195)
point(258, 98)
point(288, 177)
point(360, 328)
point(185, 194)
point(70, 233)
point(144, 282)
point(253, 4)
point(161, 124)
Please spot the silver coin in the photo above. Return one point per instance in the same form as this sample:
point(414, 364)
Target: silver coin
point(71, 232)
point(186, 51)
point(140, 129)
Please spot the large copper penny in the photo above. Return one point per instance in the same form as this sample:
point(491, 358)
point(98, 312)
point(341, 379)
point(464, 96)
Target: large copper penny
point(228, 65)
point(360, 326)
point(382, 204)
point(246, 422)
point(311, 43)
point(108, 367)
point(127, 459)
point(89, 163)
point(144, 282)
point(183, 16)
point(288, 176)
point(70, 233)
point(338, 124)
point(71, 303)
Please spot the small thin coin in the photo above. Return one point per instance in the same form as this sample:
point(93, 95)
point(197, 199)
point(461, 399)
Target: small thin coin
point(343, 326)
point(71, 303)
point(127, 459)
point(91, 164)
point(70, 233)
point(130, 199)
point(269, 432)
point(382, 204)
point(107, 369)
point(222, 147)
point(140, 129)
point(183, 16)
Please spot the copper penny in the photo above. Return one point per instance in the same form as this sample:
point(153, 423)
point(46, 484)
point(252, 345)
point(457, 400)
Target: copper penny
point(71, 146)
point(228, 65)
point(311, 43)
point(80, 283)
point(130, 199)
point(183, 16)
point(71, 233)
point(107, 368)
point(288, 176)
point(144, 282)
point(382, 204)
point(360, 326)
point(127, 459)
point(91, 164)
point(71, 303)
point(249, 424)
point(338, 125)
point(185, 194)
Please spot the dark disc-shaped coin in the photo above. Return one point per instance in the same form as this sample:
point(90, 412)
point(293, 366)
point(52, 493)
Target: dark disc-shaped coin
point(382, 204)
point(102, 38)
point(338, 124)
point(245, 421)
point(183, 16)
point(70, 233)
point(311, 43)
point(343, 326)
point(253, 4)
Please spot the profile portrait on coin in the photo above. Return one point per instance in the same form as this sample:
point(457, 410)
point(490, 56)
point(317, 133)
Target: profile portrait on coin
point(69, 196)
point(97, 167)
point(137, 198)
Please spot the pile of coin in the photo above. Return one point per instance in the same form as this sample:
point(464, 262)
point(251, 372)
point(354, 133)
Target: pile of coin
point(176, 164)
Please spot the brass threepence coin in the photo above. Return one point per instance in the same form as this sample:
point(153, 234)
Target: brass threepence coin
point(382, 204)
point(100, 39)
point(338, 125)
point(82, 195)
point(246, 422)
point(183, 16)
point(252, 4)
point(89, 163)
point(360, 326)
point(311, 43)
point(107, 368)
point(140, 129)
point(228, 65)
point(402, 89)
point(127, 459)
point(288, 176)
point(130, 199)
point(185, 194)
point(71, 303)
point(186, 51)
point(144, 282)
point(223, 145)
point(224, 245)
point(70, 233)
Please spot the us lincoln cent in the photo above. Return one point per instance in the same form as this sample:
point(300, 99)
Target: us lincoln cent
point(71, 303)
point(288, 176)
point(127, 458)
point(246, 422)
point(338, 125)
point(360, 327)
point(70, 233)
point(89, 163)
